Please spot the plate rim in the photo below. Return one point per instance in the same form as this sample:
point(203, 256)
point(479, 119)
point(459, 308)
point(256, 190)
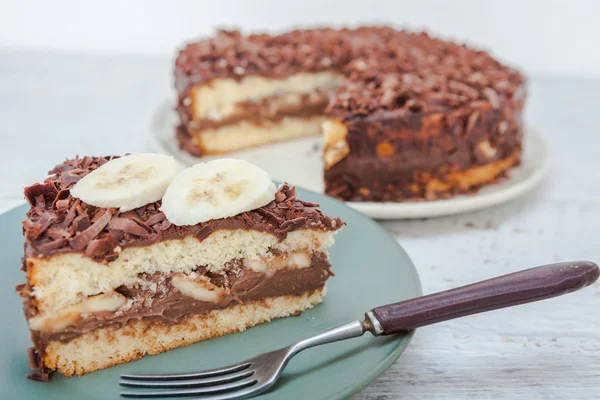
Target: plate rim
point(407, 338)
point(402, 342)
point(411, 209)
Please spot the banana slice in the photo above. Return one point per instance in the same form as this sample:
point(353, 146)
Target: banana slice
point(127, 182)
point(216, 189)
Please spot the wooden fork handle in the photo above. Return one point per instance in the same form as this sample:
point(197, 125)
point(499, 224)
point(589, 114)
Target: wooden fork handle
point(504, 291)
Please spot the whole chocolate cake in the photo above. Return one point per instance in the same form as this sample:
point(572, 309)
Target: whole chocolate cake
point(404, 116)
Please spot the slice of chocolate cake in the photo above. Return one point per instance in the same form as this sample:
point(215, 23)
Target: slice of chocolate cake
point(405, 116)
point(221, 251)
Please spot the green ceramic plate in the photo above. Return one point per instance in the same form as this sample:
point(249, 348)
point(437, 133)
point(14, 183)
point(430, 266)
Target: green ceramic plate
point(371, 270)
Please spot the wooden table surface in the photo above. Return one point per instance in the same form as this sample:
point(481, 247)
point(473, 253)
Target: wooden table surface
point(54, 106)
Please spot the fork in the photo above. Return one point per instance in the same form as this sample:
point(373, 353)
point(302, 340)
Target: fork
point(256, 375)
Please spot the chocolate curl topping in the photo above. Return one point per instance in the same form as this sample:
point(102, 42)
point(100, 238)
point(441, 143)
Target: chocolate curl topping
point(69, 217)
point(55, 244)
point(128, 226)
point(61, 204)
point(81, 240)
point(279, 197)
point(56, 232)
point(61, 200)
point(384, 69)
point(40, 226)
point(102, 246)
point(46, 189)
point(292, 223)
point(81, 223)
point(59, 223)
point(155, 219)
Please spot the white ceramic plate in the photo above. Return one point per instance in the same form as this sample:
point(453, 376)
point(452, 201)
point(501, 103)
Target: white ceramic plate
point(299, 162)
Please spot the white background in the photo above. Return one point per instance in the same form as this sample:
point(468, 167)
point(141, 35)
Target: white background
point(544, 37)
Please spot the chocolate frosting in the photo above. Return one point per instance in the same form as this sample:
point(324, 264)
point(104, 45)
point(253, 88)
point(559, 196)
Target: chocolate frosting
point(57, 223)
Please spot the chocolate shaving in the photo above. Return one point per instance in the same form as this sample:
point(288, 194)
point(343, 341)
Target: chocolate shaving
point(38, 376)
point(279, 197)
point(166, 224)
point(248, 218)
point(289, 224)
point(99, 213)
point(82, 239)
point(492, 97)
point(272, 214)
point(472, 120)
point(40, 203)
point(28, 224)
point(290, 193)
point(62, 198)
point(155, 219)
point(46, 189)
point(81, 223)
point(102, 246)
point(135, 216)
point(40, 226)
point(34, 359)
point(19, 288)
point(69, 217)
point(128, 226)
point(55, 244)
point(61, 204)
point(308, 204)
point(56, 232)
point(204, 232)
point(69, 178)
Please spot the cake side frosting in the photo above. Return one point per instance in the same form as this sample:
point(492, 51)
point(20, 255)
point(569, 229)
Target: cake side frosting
point(429, 132)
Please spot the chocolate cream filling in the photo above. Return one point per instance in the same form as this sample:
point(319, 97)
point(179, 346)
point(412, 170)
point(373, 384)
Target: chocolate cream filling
point(271, 109)
point(257, 113)
point(167, 305)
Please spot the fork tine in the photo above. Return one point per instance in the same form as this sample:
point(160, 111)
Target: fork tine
point(239, 394)
point(228, 387)
point(190, 375)
point(177, 383)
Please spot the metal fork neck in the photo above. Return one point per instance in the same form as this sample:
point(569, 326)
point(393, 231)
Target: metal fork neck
point(347, 331)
